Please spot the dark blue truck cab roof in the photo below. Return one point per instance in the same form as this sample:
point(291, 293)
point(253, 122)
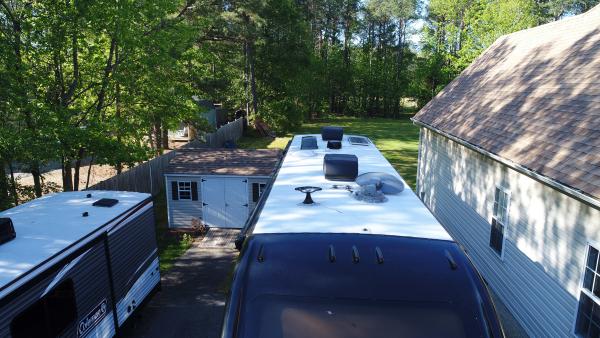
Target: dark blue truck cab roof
point(356, 285)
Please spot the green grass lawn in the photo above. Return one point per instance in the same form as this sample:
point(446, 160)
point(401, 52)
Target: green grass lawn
point(398, 140)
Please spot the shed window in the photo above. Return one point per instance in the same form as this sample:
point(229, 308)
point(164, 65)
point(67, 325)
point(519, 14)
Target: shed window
point(49, 316)
point(257, 190)
point(499, 219)
point(588, 314)
point(185, 190)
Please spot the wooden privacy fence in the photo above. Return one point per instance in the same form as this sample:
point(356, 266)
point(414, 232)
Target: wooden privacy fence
point(147, 177)
point(232, 131)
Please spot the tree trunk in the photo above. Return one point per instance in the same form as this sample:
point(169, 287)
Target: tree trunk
point(89, 173)
point(157, 137)
point(22, 93)
point(4, 187)
point(165, 136)
point(37, 178)
point(252, 78)
point(13, 185)
point(118, 165)
point(77, 169)
point(67, 175)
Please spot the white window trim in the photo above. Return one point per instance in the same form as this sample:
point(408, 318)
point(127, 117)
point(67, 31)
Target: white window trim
point(589, 244)
point(179, 190)
point(506, 224)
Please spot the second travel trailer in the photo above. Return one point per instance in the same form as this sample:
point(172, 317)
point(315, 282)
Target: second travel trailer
point(76, 264)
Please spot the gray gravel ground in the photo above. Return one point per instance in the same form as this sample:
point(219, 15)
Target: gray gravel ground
point(192, 299)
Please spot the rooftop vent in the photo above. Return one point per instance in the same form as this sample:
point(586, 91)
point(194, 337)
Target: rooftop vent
point(7, 230)
point(105, 202)
point(334, 144)
point(340, 167)
point(308, 190)
point(358, 140)
point(332, 133)
point(388, 184)
point(309, 142)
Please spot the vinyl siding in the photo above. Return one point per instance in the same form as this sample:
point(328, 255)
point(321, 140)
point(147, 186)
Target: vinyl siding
point(181, 212)
point(545, 239)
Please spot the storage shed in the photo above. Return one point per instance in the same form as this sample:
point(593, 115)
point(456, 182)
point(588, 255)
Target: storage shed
point(218, 186)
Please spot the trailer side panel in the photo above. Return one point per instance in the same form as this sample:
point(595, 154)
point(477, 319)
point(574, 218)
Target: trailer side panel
point(83, 281)
point(134, 261)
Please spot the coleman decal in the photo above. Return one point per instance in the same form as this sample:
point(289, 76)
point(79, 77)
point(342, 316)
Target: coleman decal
point(92, 319)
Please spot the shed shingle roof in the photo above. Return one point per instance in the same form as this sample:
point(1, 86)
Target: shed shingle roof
point(237, 162)
point(533, 98)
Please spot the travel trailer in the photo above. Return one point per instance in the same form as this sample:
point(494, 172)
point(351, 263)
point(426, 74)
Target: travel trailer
point(340, 246)
point(76, 264)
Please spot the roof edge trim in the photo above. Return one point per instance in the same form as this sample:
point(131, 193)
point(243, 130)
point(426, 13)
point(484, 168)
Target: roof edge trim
point(578, 195)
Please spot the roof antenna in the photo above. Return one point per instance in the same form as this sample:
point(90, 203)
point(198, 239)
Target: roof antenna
point(451, 260)
point(379, 255)
point(261, 256)
point(331, 253)
point(355, 256)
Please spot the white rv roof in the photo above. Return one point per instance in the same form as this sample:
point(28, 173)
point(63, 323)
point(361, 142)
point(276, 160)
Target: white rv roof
point(47, 225)
point(336, 210)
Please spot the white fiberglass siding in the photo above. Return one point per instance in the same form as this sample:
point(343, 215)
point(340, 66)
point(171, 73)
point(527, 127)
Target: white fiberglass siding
point(546, 236)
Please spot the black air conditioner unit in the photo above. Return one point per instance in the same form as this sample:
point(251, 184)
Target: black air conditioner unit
point(340, 167)
point(332, 133)
point(7, 230)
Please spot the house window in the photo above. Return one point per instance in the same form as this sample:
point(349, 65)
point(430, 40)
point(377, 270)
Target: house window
point(588, 313)
point(257, 190)
point(49, 316)
point(499, 219)
point(185, 190)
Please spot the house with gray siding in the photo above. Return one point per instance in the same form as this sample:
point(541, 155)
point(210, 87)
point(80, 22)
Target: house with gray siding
point(218, 187)
point(509, 163)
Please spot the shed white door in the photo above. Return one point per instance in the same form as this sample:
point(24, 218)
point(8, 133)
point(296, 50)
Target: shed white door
point(225, 202)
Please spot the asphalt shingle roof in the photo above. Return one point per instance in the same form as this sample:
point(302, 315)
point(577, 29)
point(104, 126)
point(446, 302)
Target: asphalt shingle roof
point(533, 98)
point(237, 162)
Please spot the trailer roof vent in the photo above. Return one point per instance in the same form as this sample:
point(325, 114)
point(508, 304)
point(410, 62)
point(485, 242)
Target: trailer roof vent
point(334, 144)
point(332, 133)
point(309, 142)
point(7, 230)
point(105, 202)
point(358, 140)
